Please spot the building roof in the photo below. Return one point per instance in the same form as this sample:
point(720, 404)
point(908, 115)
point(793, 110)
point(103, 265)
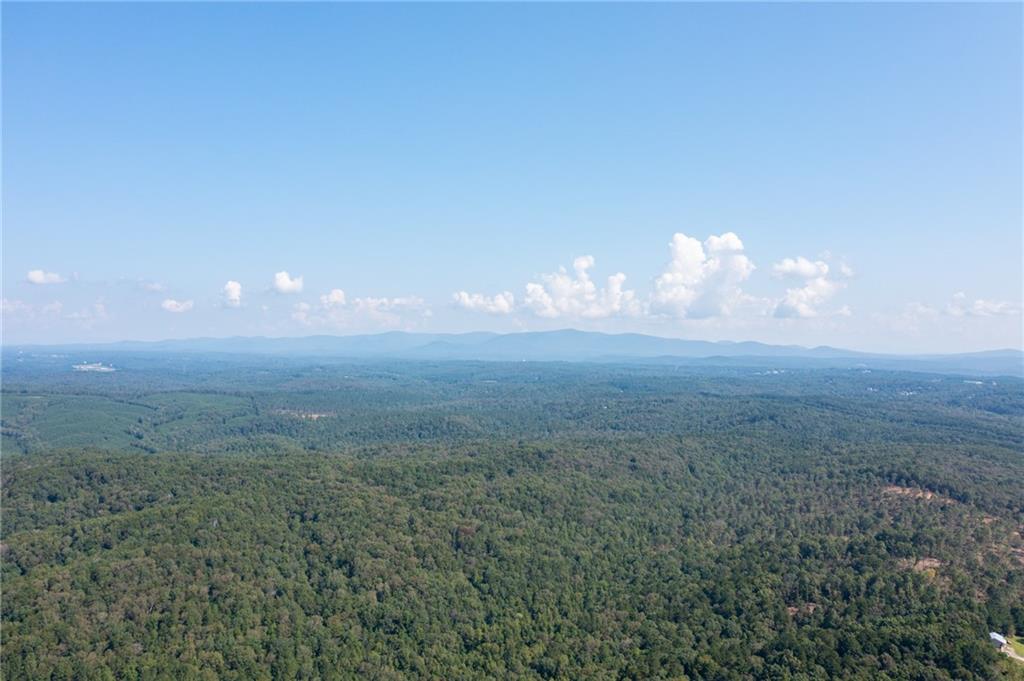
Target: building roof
point(997, 637)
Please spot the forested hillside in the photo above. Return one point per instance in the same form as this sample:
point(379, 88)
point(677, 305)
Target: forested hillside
point(224, 518)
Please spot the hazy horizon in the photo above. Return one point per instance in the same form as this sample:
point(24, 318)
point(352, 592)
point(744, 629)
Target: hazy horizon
point(342, 335)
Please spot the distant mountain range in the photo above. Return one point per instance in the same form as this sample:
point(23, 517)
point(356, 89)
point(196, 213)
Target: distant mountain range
point(566, 345)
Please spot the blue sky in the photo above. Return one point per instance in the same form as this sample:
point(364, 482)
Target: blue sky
point(845, 174)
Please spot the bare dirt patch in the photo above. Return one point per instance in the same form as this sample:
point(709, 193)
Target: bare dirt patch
point(915, 493)
point(306, 415)
point(805, 609)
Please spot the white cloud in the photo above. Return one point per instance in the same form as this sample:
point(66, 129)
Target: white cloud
point(803, 302)
point(14, 307)
point(335, 311)
point(18, 308)
point(702, 280)
point(724, 243)
point(43, 277)
point(232, 293)
point(153, 286)
point(389, 312)
point(820, 284)
point(331, 311)
point(335, 298)
point(976, 319)
point(88, 316)
point(500, 303)
point(800, 267)
point(960, 306)
point(172, 305)
point(381, 307)
point(561, 294)
point(300, 313)
point(285, 283)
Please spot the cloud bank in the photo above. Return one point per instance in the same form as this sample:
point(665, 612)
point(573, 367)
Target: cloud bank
point(701, 280)
point(960, 306)
point(706, 285)
point(500, 303)
point(575, 295)
point(336, 311)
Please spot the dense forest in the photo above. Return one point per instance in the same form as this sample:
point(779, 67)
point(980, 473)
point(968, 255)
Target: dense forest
point(216, 517)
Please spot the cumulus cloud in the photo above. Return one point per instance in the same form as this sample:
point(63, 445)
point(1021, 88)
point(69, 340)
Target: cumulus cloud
point(387, 309)
point(335, 298)
point(501, 303)
point(232, 293)
point(803, 302)
point(961, 306)
point(332, 310)
point(172, 305)
point(702, 282)
point(724, 243)
point(336, 311)
point(43, 277)
point(818, 287)
point(958, 315)
point(285, 283)
point(702, 279)
point(800, 267)
point(575, 295)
